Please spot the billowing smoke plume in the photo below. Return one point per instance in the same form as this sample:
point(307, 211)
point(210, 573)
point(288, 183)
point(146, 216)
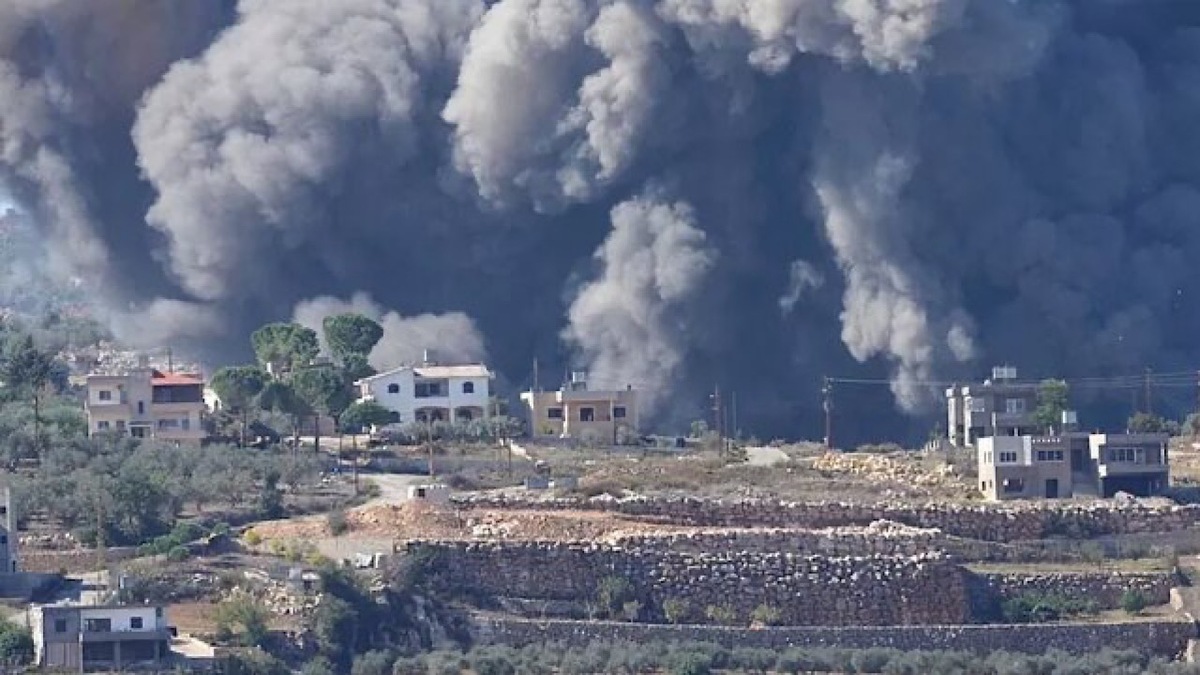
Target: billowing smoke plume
point(451, 338)
point(902, 189)
point(631, 322)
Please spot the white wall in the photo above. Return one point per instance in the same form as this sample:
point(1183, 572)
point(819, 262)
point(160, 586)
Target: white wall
point(405, 403)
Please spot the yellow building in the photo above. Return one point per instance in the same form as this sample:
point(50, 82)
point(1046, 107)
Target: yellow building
point(575, 411)
point(147, 403)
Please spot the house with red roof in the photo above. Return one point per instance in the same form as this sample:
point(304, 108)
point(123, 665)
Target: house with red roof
point(145, 402)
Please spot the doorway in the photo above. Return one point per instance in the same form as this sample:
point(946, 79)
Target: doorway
point(1051, 488)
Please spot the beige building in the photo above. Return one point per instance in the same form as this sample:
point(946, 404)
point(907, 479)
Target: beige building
point(146, 403)
point(575, 411)
point(1072, 464)
point(1000, 406)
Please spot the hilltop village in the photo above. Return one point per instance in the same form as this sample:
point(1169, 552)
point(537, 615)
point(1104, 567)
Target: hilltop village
point(307, 512)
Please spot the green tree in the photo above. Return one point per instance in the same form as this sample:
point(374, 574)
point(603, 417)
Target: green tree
point(237, 387)
point(1146, 423)
point(26, 370)
point(350, 335)
point(324, 391)
point(283, 347)
point(1133, 601)
point(1052, 398)
point(244, 618)
point(281, 397)
point(365, 414)
point(270, 499)
point(16, 645)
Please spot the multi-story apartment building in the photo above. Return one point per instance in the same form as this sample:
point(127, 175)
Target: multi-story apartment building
point(1000, 406)
point(577, 411)
point(147, 403)
point(1072, 464)
point(100, 638)
point(431, 392)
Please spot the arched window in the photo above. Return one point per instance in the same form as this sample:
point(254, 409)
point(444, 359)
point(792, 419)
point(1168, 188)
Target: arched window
point(393, 389)
point(468, 387)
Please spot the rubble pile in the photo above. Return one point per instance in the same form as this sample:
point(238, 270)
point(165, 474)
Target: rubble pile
point(882, 469)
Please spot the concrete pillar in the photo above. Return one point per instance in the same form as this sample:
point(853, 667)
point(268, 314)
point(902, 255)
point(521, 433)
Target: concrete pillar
point(117, 655)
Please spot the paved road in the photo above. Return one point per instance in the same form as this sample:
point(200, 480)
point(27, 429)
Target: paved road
point(393, 487)
point(765, 456)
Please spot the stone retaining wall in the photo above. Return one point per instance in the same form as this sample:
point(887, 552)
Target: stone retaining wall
point(1103, 588)
point(987, 522)
point(1159, 638)
point(805, 590)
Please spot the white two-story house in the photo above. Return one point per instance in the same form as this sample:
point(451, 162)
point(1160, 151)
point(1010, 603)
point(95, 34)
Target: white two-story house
point(431, 393)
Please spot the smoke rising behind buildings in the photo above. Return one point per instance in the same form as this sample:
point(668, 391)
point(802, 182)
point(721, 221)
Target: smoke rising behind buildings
point(667, 192)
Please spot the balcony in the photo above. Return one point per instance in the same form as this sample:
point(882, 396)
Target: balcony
point(1107, 469)
point(148, 635)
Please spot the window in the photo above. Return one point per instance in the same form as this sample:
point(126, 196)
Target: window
point(619, 412)
point(587, 414)
point(60, 625)
point(976, 405)
point(1049, 455)
point(554, 413)
point(102, 425)
point(1014, 406)
point(3, 538)
point(185, 423)
point(1008, 457)
point(104, 395)
point(138, 432)
point(468, 387)
point(135, 623)
point(97, 625)
point(1012, 485)
point(1129, 455)
point(158, 612)
point(428, 389)
point(120, 425)
point(168, 423)
point(393, 389)
point(141, 407)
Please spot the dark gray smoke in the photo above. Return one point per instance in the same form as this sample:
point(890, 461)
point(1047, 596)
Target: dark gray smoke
point(673, 193)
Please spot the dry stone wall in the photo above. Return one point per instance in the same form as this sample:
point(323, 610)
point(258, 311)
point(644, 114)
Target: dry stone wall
point(1103, 588)
point(1158, 638)
point(805, 590)
point(987, 522)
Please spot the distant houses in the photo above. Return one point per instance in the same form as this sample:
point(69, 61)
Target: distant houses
point(576, 410)
point(1019, 459)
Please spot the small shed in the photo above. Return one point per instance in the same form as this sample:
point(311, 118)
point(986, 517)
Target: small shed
point(433, 492)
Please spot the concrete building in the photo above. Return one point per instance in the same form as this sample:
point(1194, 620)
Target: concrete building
point(147, 403)
point(1072, 464)
point(577, 411)
point(80, 638)
point(1000, 406)
point(431, 392)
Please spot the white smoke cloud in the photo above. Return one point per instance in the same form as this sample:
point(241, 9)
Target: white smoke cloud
point(803, 277)
point(451, 337)
point(628, 323)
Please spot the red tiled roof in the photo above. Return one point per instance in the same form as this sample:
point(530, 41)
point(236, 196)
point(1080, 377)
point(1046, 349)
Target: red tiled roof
point(168, 379)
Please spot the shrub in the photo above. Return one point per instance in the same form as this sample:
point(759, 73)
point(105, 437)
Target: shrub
point(766, 615)
point(631, 610)
point(336, 521)
point(1133, 601)
point(1037, 607)
point(690, 663)
point(178, 554)
point(253, 538)
point(372, 663)
point(612, 593)
point(721, 614)
point(676, 610)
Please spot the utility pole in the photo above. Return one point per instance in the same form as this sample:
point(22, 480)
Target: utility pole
point(1149, 400)
point(717, 418)
point(737, 431)
point(536, 389)
point(827, 393)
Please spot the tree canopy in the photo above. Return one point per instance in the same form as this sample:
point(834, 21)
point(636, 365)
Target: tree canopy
point(237, 386)
point(351, 335)
point(1051, 403)
point(284, 346)
point(323, 390)
point(25, 367)
point(365, 414)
